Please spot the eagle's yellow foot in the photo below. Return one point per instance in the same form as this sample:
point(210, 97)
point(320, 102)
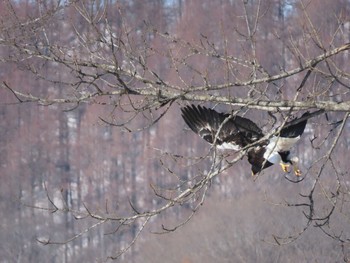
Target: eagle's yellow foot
point(285, 167)
point(297, 172)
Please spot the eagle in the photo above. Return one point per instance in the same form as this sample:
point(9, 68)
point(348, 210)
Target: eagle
point(233, 132)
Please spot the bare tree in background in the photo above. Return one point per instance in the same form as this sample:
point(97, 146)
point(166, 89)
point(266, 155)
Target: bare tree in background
point(270, 60)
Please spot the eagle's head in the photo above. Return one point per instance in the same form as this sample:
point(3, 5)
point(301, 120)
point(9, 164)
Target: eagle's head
point(257, 160)
point(258, 167)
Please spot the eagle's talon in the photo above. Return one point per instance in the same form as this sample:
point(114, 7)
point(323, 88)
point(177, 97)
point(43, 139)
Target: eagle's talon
point(285, 167)
point(297, 172)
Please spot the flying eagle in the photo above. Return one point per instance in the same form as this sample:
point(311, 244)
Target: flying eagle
point(227, 131)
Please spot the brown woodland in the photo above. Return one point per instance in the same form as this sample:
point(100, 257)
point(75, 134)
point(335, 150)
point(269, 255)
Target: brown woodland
point(97, 164)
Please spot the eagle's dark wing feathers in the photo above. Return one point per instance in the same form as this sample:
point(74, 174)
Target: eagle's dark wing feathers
point(234, 130)
point(293, 131)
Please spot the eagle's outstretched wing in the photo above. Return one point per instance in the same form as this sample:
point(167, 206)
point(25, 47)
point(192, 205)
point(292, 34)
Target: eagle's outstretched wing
point(291, 130)
point(225, 130)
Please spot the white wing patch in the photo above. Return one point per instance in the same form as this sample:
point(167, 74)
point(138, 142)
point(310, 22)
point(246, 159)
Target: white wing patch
point(228, 146)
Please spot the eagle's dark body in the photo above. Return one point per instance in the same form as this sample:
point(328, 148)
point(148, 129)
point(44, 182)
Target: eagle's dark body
point(234, 132)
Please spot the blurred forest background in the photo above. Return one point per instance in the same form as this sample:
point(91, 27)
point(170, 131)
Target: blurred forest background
point(71, 156)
